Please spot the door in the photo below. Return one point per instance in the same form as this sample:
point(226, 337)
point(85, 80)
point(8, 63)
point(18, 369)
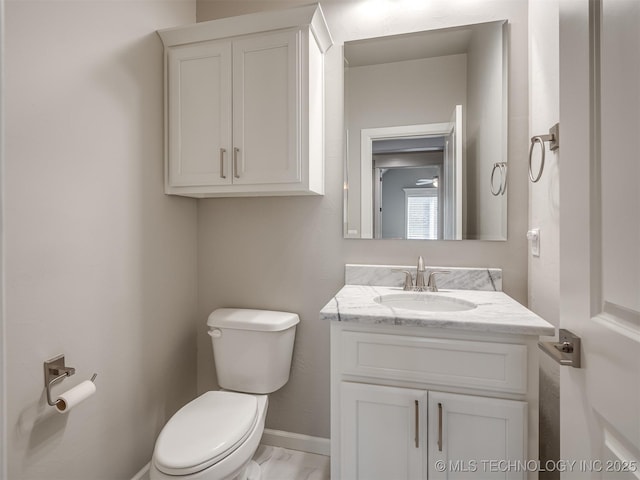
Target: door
point(382, 432)
point(453, 177)
point(266, 118)
point(199, 116)
point(475, 437)
point(378, 175)
point(600, 235)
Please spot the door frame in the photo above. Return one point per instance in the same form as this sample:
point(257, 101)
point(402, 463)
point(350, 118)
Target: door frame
point(3, 330)
point(367, 137)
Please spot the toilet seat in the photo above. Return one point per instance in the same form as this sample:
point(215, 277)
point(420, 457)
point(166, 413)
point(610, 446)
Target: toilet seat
point(205, 431)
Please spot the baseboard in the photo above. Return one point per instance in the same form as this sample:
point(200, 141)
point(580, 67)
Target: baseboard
point(143, 474)
point(296, 441)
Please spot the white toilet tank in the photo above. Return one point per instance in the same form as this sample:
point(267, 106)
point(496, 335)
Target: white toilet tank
point(252, 348)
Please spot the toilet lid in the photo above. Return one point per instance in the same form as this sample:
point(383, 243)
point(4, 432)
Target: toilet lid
point(205, 431)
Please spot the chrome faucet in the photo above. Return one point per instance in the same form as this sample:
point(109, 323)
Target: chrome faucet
point(431, 282)
point(420, 285)
point(408, 278)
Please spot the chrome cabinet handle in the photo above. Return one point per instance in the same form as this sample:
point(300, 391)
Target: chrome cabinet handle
point(222, 152)
point(235, 162)
point(417, 415)
point(439, 427)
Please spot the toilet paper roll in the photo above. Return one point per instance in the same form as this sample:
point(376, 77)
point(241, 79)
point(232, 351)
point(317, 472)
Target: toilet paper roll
point(69, 399)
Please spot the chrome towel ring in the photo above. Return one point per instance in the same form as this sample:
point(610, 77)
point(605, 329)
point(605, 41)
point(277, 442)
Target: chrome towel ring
point(554, 143)
point(535, 140)
point(502, 186)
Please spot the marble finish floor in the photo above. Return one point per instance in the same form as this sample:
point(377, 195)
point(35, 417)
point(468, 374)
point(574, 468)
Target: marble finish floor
point(283, 464)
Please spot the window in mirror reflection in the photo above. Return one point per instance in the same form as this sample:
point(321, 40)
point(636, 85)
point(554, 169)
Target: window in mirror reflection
point(421, 213)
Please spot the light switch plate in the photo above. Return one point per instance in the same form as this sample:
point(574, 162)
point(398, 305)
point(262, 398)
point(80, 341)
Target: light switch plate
point(533, 236)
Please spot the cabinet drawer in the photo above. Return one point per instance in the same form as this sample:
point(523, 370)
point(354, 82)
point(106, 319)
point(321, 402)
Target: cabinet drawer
point(485, 365)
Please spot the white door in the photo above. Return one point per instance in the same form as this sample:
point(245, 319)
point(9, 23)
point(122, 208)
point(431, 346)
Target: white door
point(199, 116)
point(382, 432)
point(453, 177)
point(475, 437)
point(600, 235)
point(266, 119)
point(377, 202)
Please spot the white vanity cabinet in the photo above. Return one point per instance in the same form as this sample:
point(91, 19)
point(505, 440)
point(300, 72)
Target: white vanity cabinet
point(382, 432)
point(244, 105)
point(403, 433)
point(431, 403)
point(472, 436)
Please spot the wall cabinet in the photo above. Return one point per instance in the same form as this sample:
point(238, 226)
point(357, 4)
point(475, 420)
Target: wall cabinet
point(244, 105)
point(446, 406)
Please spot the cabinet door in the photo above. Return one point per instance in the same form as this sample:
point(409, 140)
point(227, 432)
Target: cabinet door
point(199, 114)
point(475, 437)
point(382, 432)
point(266, 116)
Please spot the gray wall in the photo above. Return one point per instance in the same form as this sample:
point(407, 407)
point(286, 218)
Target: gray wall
point(289, 253)
point(100, 264)
point(485, 213)
point(544, 209)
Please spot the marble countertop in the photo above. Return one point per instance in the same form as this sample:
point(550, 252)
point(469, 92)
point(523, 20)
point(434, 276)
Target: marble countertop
point(496, 312)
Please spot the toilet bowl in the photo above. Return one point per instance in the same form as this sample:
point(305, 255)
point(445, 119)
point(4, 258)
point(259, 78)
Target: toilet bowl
point(213, 437)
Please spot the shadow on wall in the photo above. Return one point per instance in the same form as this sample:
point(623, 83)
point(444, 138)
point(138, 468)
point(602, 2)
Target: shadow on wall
point(163, 369)
point(549, 420)
point(43, 427)
point(115, 264)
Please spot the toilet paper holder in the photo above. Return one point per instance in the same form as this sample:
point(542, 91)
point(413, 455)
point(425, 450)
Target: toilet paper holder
point(55, 371)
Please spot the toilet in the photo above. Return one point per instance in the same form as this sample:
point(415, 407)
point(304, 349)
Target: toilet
point(215, 436)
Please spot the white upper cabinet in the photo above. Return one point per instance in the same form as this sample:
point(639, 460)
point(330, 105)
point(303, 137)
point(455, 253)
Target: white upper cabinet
point(199, 109)
point(265, 119)
point(244, 105)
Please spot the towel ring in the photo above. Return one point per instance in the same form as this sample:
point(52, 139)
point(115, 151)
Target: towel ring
point(554, 143)
point(535, 140)
point(502, 188)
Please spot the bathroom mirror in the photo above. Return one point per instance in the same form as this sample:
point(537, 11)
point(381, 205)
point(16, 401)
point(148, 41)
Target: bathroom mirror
point(426, 135)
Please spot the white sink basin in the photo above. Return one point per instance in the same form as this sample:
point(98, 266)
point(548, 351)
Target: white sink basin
point(425, 302)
